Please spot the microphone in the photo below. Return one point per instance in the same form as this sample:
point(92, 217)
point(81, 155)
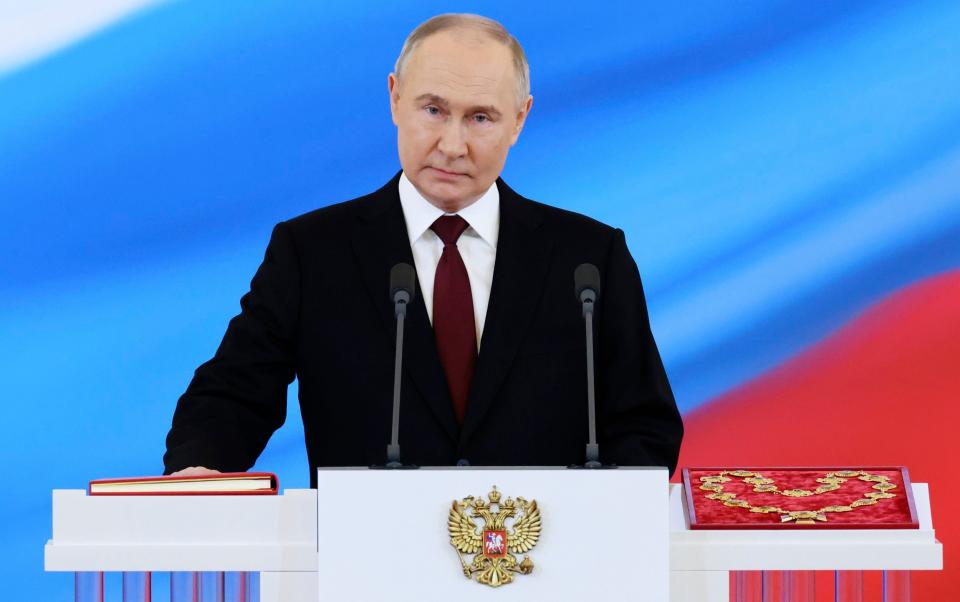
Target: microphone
point(403, 287)
point(586, 279)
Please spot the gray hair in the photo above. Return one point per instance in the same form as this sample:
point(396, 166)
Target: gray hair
point(484, 25)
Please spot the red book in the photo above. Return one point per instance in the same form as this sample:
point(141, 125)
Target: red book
point(227, 483)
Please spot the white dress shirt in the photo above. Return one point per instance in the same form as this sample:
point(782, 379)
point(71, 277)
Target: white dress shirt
point(477, 244)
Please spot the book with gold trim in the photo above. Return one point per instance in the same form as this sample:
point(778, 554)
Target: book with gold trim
point(227, 483)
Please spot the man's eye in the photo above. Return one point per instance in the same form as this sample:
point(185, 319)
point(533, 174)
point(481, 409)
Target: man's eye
point(432, 110)
point(481, 118)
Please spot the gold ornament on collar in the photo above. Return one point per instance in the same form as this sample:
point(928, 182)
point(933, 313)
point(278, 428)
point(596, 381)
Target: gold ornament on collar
point(493, 532)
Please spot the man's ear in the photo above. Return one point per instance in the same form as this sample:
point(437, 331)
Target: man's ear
point(393, 89)
point(521, 119)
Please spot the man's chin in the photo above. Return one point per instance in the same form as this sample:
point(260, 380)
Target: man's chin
point(444, 195)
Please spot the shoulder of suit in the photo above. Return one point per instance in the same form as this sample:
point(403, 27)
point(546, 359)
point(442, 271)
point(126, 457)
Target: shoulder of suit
point(333, 218)
point(569, 222)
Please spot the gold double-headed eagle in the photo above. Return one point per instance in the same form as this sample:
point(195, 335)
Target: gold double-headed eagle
point(492, 542)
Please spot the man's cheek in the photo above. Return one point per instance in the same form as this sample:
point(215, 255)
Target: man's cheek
point(422, 140)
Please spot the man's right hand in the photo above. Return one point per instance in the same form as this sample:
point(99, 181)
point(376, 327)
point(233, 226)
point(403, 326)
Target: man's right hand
point(195, 471)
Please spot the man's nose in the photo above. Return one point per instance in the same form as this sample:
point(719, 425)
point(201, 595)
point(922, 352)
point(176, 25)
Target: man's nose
point(453, 139)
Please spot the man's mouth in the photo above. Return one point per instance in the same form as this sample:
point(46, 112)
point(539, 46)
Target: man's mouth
point(443, 173)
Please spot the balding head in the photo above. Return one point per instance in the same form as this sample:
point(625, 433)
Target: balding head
point(467, 24)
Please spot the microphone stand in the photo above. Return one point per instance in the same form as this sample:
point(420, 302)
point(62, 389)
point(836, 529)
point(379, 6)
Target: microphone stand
point(403, 286)
point(588, 298)
point(401, 298)
point(587, 285)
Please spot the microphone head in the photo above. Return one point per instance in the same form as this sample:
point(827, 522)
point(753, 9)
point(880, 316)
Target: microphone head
point(403, 279)
point(586, 279)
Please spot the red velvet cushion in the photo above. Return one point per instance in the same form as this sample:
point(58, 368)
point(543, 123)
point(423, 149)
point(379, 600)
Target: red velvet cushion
point(891, 513)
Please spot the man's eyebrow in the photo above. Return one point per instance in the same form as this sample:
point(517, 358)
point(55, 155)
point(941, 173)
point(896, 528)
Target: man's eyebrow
point(439, 100)
point(489, 109)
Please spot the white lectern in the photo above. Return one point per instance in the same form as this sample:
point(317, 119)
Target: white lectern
point(277, 538)
point(384, 534)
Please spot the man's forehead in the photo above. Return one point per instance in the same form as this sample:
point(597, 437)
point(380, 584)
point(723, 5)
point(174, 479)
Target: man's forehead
point(478, 70)
point(459, 82)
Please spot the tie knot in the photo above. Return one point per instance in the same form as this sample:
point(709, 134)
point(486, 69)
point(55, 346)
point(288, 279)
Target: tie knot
point(449, 228)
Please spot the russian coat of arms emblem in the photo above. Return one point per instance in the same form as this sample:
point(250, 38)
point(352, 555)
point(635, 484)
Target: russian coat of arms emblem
point(494, 532)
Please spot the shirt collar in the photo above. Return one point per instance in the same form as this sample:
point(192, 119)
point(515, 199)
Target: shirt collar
point(483, 215)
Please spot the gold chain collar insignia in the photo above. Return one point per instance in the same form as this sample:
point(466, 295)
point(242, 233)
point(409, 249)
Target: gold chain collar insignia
point(829, 482)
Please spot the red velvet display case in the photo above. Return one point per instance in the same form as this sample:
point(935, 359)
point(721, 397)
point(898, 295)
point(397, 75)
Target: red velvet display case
point(799, 498)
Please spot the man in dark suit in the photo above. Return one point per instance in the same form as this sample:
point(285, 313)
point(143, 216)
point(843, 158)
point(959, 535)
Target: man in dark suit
point(494, 366)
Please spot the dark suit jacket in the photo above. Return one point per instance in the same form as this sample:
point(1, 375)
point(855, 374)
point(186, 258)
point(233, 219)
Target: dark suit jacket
point(319, 310)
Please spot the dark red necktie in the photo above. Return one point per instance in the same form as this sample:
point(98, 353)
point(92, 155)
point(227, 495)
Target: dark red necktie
point(453, 324)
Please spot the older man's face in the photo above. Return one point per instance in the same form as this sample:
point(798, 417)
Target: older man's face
point(456, 115)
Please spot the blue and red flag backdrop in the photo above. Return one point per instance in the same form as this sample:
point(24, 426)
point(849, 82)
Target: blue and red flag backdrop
point(787, 175)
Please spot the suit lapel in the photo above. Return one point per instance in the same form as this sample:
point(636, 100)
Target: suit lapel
point(521, 265)
point(379, 242)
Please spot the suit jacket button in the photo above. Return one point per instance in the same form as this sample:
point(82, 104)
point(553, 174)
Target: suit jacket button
point(463, 462)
